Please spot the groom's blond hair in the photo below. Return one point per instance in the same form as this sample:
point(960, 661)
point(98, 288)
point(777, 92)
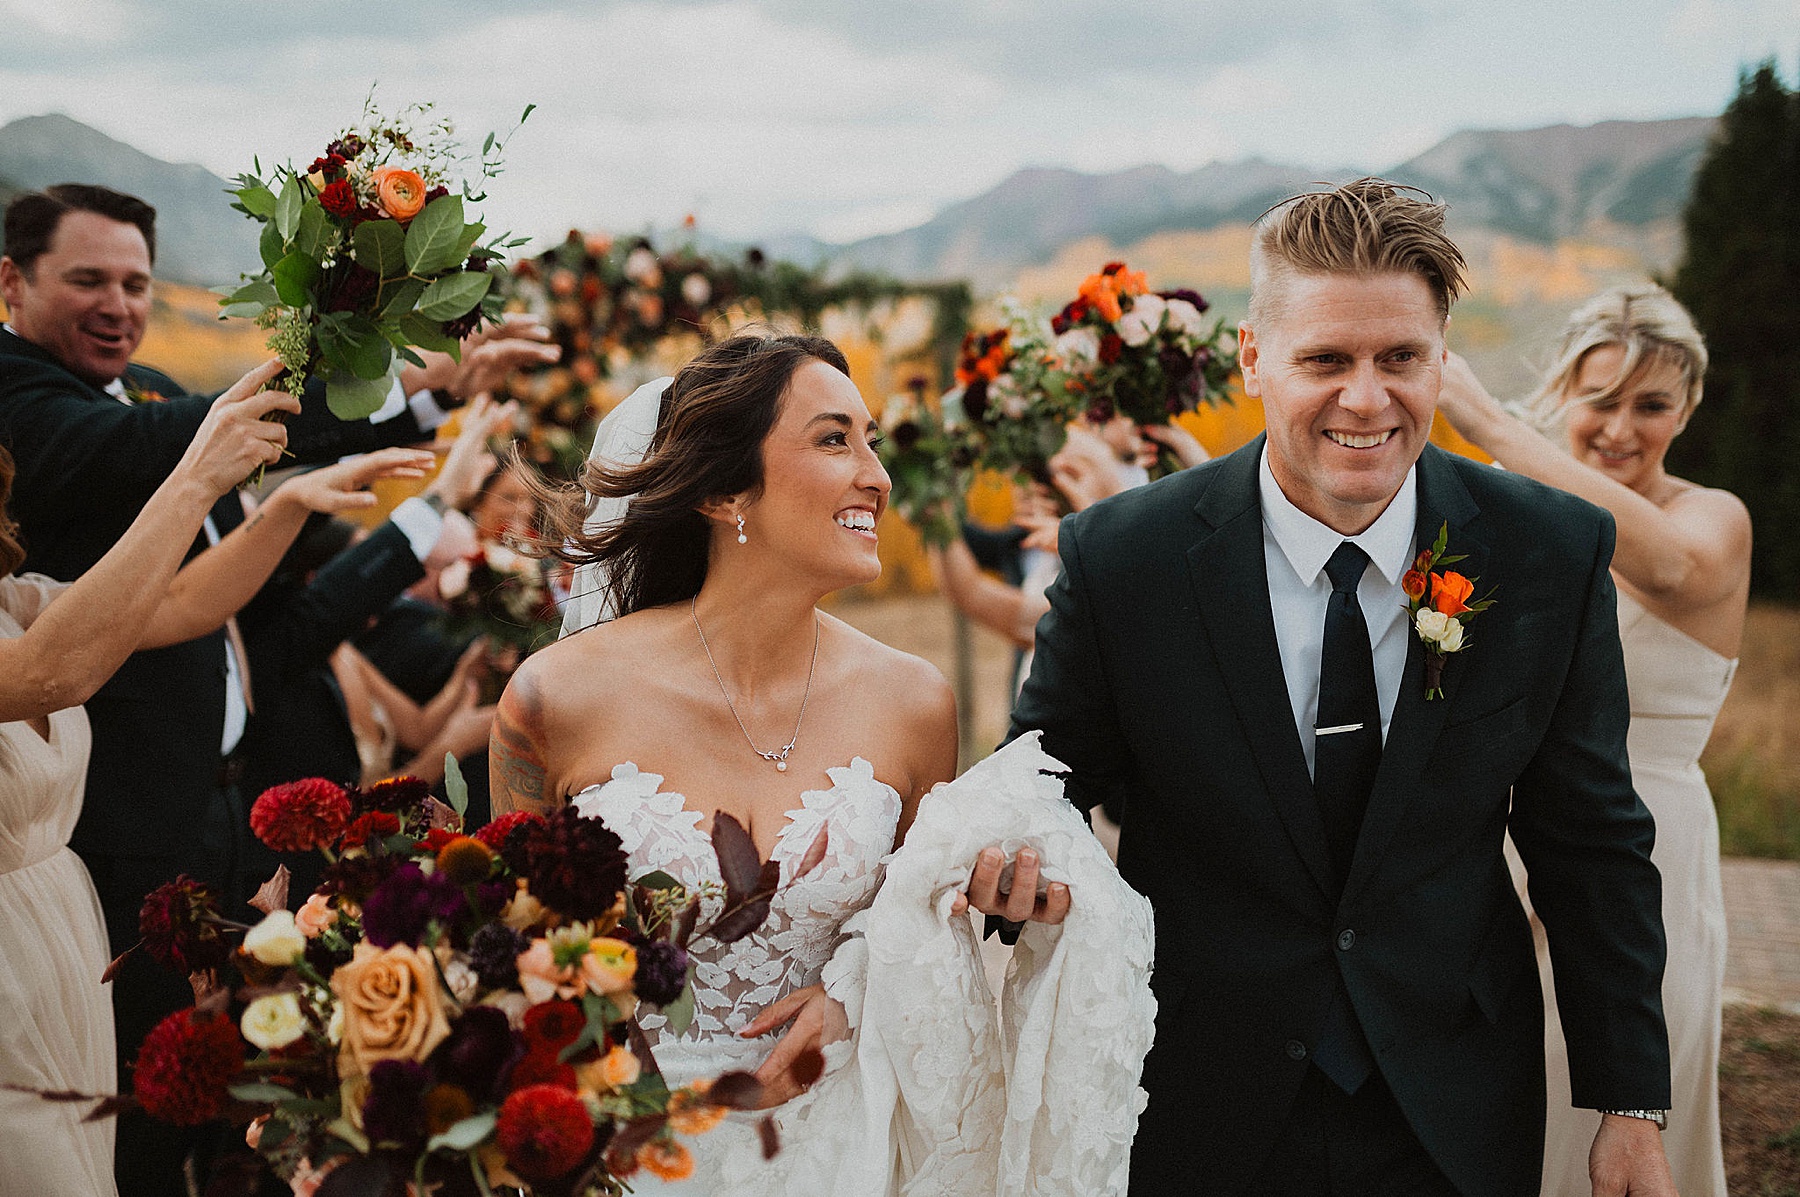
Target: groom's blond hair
point(1367, 227)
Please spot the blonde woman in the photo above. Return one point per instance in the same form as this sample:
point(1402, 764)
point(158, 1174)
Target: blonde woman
point(1626, 379)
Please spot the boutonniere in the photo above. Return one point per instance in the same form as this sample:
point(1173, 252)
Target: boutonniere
point(1437, 603)
point(135, 395)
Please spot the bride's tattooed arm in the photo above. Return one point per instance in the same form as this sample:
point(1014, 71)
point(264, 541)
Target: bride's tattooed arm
point(515, 752)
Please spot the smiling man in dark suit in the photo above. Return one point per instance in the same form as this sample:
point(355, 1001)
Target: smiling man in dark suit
point(1346, 984)
point(93, 434)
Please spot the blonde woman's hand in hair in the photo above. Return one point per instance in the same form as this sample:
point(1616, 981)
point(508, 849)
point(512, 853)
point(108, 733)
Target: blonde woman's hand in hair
point(1471, 410)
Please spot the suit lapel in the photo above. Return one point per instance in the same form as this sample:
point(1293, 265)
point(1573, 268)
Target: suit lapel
point(1231, 586)
point(1413, 732)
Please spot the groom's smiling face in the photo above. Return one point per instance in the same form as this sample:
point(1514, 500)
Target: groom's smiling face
point(1348, 368)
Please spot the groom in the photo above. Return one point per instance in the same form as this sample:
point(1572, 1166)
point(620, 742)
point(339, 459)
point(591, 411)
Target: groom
point(1348, 998)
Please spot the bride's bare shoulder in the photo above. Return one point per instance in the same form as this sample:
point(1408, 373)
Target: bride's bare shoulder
point(901, 683)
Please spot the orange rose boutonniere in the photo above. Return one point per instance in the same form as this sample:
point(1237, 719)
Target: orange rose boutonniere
point(1437, 603)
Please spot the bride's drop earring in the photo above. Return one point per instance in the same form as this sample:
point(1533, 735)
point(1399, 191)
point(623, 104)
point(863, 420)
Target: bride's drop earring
point(742, 539)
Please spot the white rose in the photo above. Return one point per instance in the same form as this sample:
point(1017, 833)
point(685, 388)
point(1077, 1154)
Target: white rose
point(275, 940)
point(1185, 317)
point(1005, 391)
point(273, 1020)
point(1078, 347)
point(461, 980)
point(1442, 632)
point(334, 1026)
point(1137, 326)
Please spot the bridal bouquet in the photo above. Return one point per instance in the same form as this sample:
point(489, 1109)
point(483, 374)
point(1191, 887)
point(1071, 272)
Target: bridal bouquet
point(499, 593)
point(1009, 399)
point(368, 255)
point(1122, 349)
point(449, 1012)
point(928, 462)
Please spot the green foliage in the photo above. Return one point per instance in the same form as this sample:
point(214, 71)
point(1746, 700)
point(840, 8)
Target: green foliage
point(1741, 281)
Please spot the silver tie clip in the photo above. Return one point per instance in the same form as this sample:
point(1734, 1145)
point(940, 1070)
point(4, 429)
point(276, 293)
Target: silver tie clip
point(1332, 731)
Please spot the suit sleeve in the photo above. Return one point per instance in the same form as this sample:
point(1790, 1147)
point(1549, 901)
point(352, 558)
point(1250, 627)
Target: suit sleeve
point(300, 629)
point(316, 436)
point(1585, 838)
point(1069, 696)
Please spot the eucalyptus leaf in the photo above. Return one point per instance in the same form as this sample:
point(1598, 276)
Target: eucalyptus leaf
point(353, 398)
point(357, 347)
point(257, 290)
point(287, 207)
point(427, 334)
point(680, 1012)
point(314, 231)
point(295, 276)
point(248, 311)
point(435, 233)
point(463, 1135)
point(402, 296)
point(262, 1091)
point(454, 294)
point(258, 200)
point(455, 788)
point(380, 246)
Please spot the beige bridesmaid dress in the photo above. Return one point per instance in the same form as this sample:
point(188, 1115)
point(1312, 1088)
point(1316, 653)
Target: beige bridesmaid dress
point(56, 1024)
point(1677, 685)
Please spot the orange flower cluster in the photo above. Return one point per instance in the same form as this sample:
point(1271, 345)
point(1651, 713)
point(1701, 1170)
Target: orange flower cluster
point(984, 356)
point(1104, 289)
point(1450, 592)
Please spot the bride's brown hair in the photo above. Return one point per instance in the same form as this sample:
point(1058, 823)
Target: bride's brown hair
point(708, 445)
point(12, 553)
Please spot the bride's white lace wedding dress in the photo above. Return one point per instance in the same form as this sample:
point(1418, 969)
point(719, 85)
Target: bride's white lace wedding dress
point(929, 1095)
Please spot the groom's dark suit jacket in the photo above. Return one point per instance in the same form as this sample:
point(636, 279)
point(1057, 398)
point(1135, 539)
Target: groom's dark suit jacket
point(86, 465)
point(1158, 681)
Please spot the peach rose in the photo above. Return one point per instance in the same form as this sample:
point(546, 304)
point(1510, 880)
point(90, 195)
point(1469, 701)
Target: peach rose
point(1450, 592)
point(609, 966)
point(401, 192)
point(393, 1007)
point(541, 977)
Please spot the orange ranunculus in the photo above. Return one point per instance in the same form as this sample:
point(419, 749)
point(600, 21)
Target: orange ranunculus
point(1100, 290)
point(1413, 584)
point(401, 192)
point(1130, 282)
point(688, 1112)
point(1450, 592)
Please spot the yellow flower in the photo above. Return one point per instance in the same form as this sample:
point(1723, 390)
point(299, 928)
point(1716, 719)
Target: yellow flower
point(609, 966)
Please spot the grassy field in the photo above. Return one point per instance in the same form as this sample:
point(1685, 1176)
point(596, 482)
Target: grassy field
point(1759, 1102)
point(1753, 761)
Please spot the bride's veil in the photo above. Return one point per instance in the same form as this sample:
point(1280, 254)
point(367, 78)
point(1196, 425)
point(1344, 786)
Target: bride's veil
point(621, 440)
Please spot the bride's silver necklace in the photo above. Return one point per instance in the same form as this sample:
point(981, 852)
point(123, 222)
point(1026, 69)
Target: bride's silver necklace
point(779, 756)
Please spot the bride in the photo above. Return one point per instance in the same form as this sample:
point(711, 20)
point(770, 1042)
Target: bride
point(720, 687)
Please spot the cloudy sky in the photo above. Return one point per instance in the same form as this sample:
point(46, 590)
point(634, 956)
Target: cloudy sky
point(848, 117)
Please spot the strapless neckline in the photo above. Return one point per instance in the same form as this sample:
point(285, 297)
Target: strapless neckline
point(684, 820)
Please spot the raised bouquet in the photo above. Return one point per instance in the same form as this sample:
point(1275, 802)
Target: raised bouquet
point(1009, 400)
point(501, 593)
point(1122, 349)
point(454, 1013)
point(927, 461)
point(369, 255)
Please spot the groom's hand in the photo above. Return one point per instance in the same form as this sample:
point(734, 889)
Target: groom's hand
point(1019, 902)
point(1627, 1159)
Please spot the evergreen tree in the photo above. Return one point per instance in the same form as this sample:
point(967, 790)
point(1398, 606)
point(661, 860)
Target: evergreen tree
point(1741, 280)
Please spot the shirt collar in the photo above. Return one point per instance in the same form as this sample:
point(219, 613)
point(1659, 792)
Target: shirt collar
point(1308, 544)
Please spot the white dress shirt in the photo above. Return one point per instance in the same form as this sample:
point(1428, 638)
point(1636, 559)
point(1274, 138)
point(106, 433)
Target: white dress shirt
point(1295, 549)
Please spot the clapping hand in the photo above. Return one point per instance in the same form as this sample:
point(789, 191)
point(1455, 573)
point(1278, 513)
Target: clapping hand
point(1014, 898)
point(487, 357)
point(817, 1019)
point(470, 461)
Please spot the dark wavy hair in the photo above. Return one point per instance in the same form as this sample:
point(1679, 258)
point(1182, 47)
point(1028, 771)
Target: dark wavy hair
point(12, 553)
point(708, 445)
point(33, 218)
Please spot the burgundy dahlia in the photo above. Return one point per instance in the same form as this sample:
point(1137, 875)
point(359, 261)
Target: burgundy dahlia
point(661, 975)
point(356, 877)
point(576, 865)
point(1192, 297)
point(375, 824)
point(186, 1066)
point(179, 924)
point(301, 815)
point(403, 796)
point(403, 906)
point(339, 199)
point(480, 1049)
point(394, 1110)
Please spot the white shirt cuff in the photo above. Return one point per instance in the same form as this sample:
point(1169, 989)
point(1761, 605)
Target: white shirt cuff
point(421, 524)
point(393, 405)
point(425, 410)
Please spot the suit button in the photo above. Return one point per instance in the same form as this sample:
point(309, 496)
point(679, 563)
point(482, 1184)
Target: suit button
point(1296, 1050)
point(1346, 940)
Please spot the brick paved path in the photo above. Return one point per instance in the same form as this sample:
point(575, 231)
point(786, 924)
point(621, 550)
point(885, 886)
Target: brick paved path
point(1762, 908)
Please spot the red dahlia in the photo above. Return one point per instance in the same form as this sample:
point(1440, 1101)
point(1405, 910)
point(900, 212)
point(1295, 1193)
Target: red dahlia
point(185, 1066)
point(540, 1069)
point(553, 1025)
point(301, 815)
point(495, 834)
point(544, 1131)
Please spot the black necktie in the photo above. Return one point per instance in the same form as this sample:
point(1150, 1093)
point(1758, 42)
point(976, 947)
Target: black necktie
point(1347, 744)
